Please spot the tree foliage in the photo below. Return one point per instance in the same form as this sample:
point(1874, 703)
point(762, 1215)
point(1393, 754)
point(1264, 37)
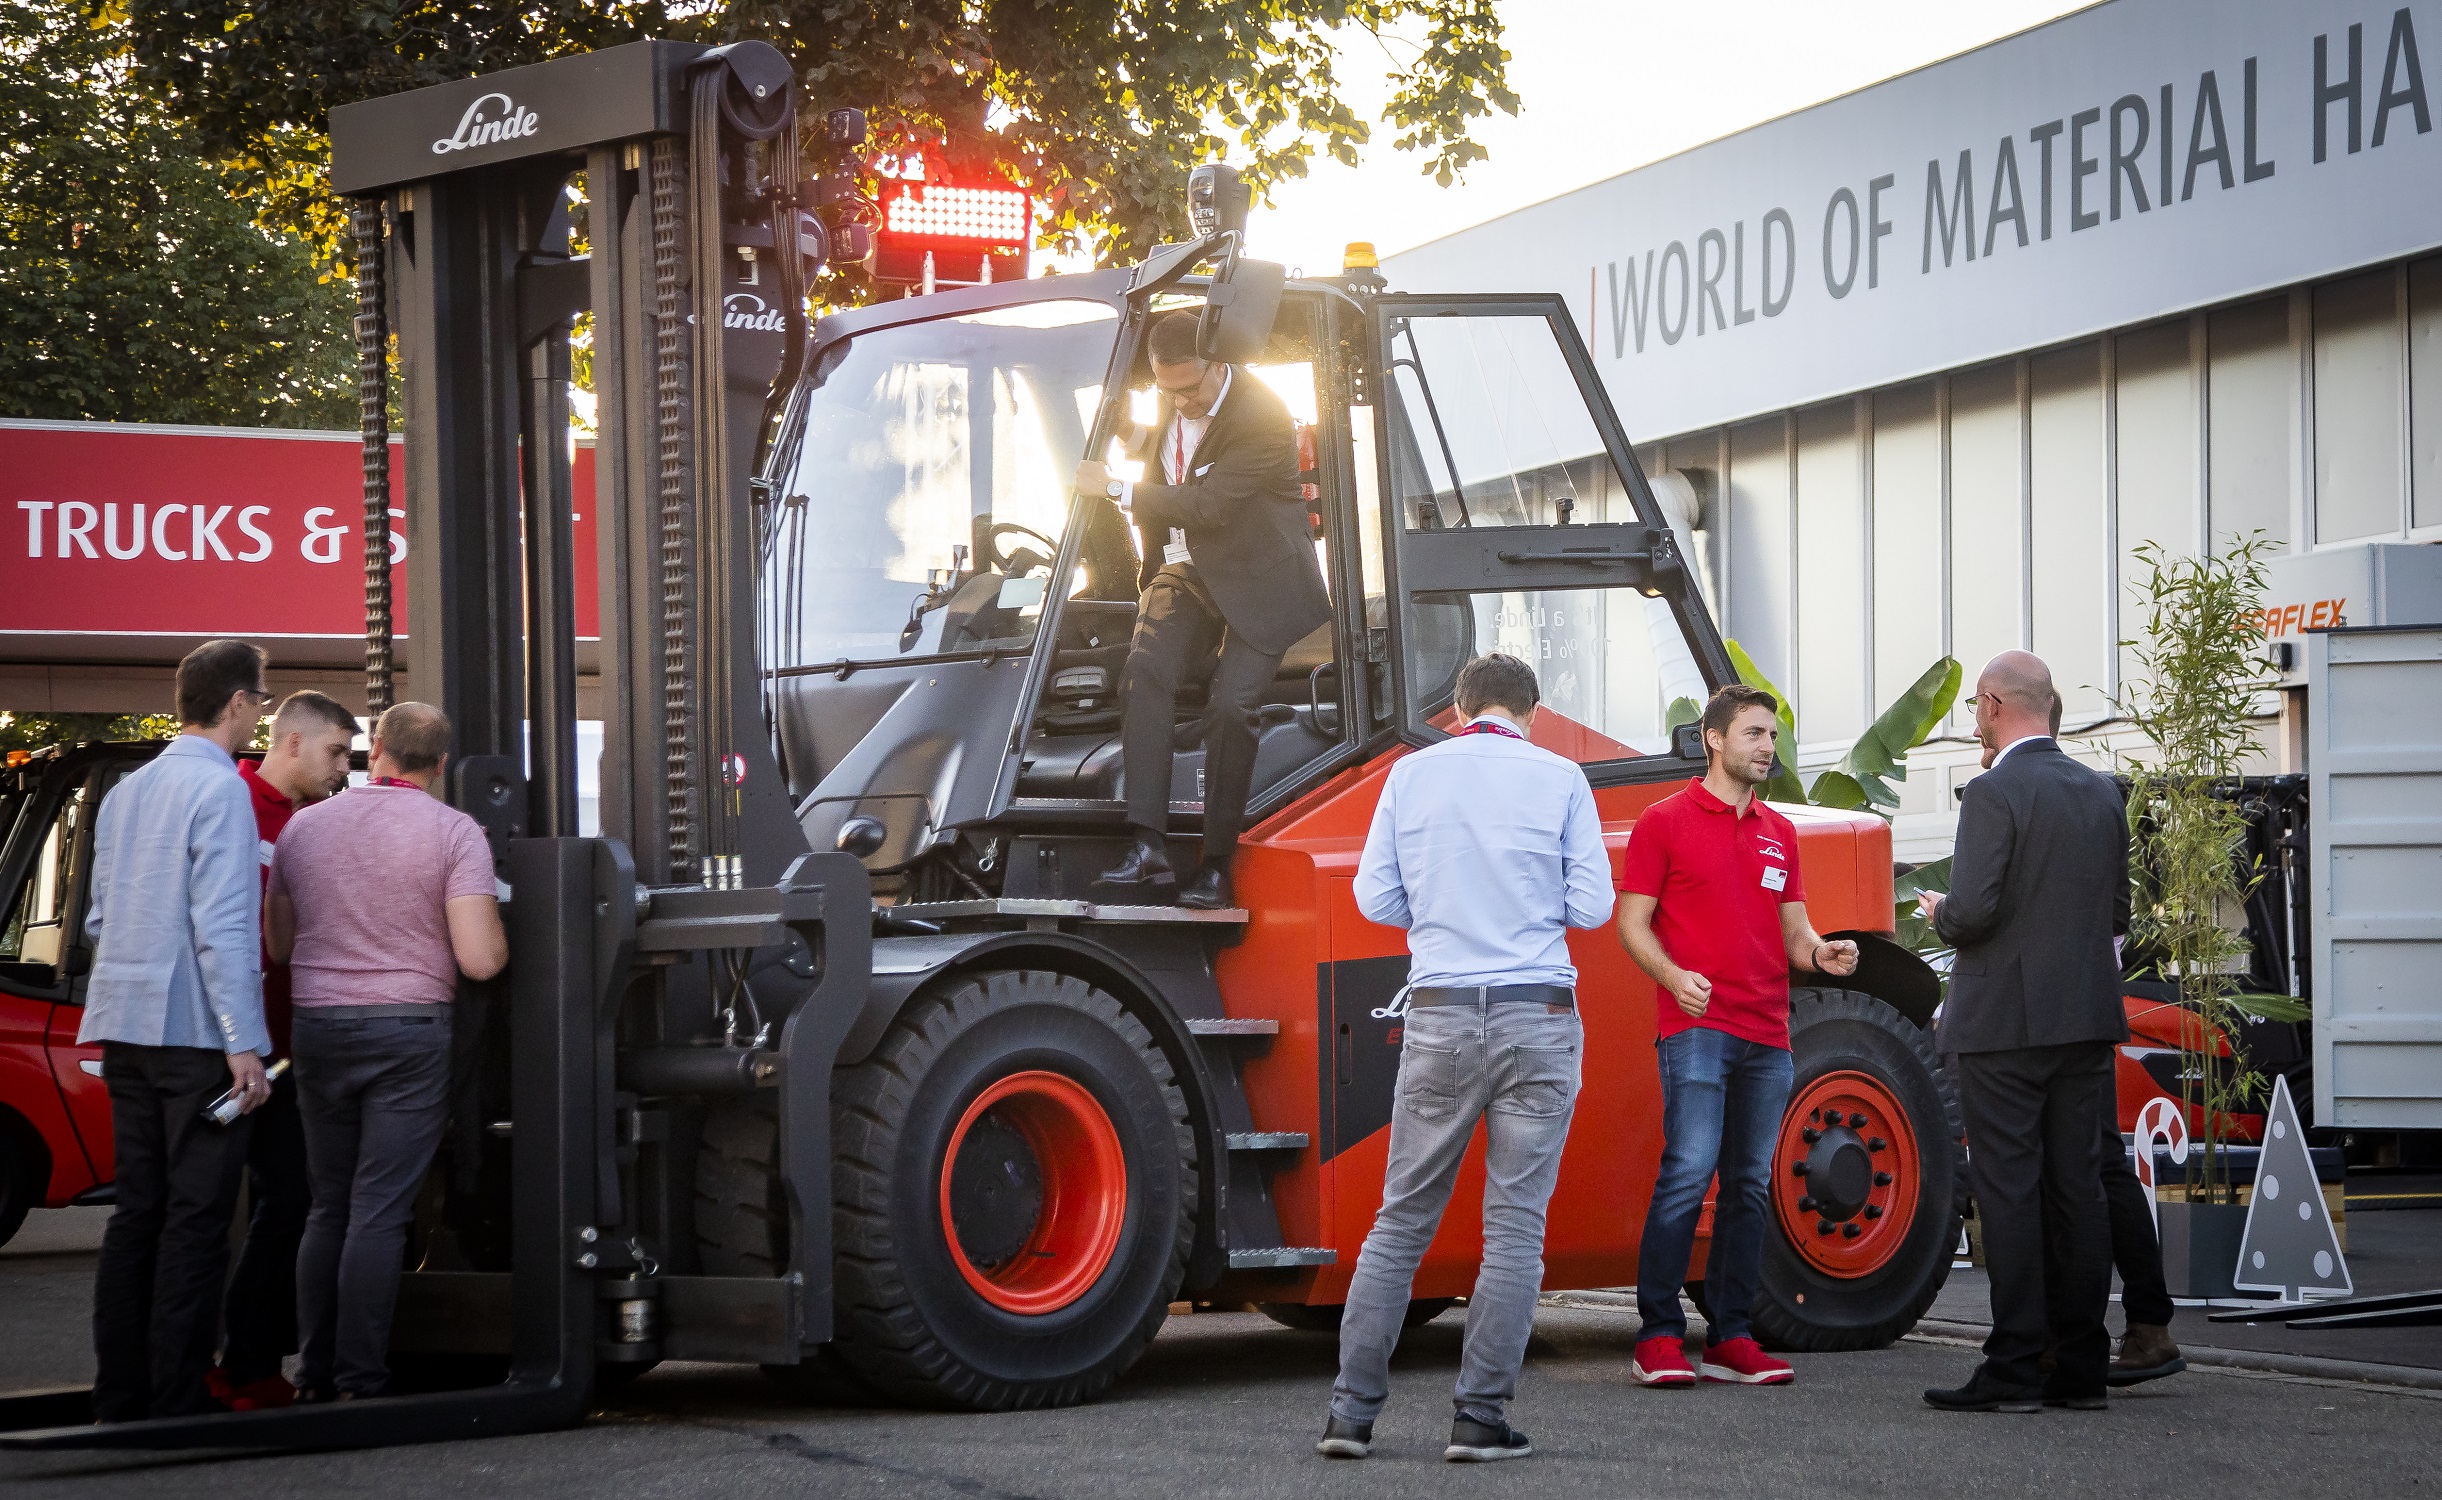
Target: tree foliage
point(135, 283)
point(1099, 107)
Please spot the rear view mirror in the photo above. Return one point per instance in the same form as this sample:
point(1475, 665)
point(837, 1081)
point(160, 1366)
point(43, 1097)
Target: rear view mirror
point(1687, 741)
point(1239, 309)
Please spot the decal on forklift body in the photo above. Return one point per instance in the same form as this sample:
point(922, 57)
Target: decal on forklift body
point(513, 123)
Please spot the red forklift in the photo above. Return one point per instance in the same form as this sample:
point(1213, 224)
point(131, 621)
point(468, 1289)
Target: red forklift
point(826, 1054)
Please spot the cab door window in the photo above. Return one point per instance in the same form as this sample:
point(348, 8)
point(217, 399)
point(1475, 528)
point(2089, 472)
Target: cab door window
point(1517, 527)
point(43, 910)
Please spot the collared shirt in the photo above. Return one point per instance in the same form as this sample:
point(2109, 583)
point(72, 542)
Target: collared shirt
point(1719, 879)
point(272, 810)
point(176, 913)
point(2003, 753)
point(1179, 444)
point(1487, 850)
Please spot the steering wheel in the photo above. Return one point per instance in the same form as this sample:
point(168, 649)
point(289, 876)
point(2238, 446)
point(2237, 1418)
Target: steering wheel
point(1003, 562)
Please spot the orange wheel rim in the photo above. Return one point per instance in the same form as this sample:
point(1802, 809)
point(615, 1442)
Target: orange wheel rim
point(1846, 1174)
point(1042, 1126)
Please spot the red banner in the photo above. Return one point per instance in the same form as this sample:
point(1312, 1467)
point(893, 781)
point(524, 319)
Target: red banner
point(124, 529)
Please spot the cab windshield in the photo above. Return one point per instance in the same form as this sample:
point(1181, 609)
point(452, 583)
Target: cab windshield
point(923, 503)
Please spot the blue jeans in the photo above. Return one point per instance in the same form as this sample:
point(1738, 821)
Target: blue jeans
point(1722, 1099)
point(1516, 1067)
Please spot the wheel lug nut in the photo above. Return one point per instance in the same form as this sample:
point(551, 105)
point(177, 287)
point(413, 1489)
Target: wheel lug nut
point(1882, 1179)
point(1877, 1144)
point(1797, 1169)
point(1808, 1204)
point(1823, 1226)
point(1810, 1135)
point(1850, 1231)
point(1856, 1122)
point(1873, 1210)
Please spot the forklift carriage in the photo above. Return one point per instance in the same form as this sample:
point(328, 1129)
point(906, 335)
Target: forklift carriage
point(826, 1054)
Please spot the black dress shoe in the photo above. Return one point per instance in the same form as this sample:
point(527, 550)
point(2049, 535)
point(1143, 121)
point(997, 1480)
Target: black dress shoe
point(1209, 891)
point(2080, 1401)
point(1345, 1439)
point(1474, 1442)
point(1982, 1393)
point(1146, 864)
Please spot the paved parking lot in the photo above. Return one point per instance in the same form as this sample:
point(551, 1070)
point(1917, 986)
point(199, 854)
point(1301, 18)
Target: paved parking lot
point(1227, 1405)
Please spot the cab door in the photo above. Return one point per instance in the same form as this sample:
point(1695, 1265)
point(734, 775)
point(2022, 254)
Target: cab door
point(45, 1077)
point(1518, 521)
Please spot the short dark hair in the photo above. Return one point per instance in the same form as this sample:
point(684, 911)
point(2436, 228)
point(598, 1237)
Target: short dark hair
point(1726, 704)
point(212, 674)
point(306, 706)
point(1174, 337)
point(1496, 680)
point(414, 735)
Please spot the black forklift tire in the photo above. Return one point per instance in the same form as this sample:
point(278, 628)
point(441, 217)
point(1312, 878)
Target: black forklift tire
point(1854, 1046)
point(741, 1218)
point(1324, 1317)
point(1016, 1326)
point(24, 1168)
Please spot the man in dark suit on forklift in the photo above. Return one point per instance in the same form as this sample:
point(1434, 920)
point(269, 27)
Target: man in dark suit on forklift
point(1229, 579)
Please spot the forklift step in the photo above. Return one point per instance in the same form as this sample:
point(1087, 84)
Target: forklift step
point(1284, 1258)
point(1267, 1140)
point(1085, 911)
point(1233, 1028)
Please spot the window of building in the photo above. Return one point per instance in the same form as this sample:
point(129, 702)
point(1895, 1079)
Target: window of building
point(1761, 586)
point(2156, 393)
point(2425, 391)
point(2254, 401)
point(1907, 537)
point(2357, 407)
point(1831, 678)
point(1987, 561)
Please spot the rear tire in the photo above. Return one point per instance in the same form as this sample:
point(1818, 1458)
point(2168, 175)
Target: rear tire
point(1825, 1292)
point(1014, 1195)
point(24, 1173)
point(1325, 1317)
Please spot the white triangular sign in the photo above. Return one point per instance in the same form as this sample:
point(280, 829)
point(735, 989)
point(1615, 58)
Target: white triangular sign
point(2288, 1246)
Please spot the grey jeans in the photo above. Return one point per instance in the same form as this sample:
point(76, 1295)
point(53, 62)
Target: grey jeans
point(375, 1095)
point(1516, 1067)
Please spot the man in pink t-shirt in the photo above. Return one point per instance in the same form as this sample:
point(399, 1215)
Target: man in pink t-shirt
point(380, 898)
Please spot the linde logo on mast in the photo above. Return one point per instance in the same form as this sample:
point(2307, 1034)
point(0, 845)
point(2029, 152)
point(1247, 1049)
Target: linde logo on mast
point(513, 122)
point(746, 310)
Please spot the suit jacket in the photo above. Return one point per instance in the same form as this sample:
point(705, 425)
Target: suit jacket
point(1244, 516)
point(2038, 887)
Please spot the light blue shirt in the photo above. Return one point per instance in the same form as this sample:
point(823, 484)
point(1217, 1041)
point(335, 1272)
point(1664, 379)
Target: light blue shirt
point(176, 917)
point(1486, 849)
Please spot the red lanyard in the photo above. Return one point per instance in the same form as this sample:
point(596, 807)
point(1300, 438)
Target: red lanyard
point(392, 781)
point(1491, 726)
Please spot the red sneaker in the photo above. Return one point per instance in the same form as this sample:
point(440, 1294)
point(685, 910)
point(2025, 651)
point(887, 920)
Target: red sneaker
point(267, 1394)
point(1661, 1362)
point(1744, 1362)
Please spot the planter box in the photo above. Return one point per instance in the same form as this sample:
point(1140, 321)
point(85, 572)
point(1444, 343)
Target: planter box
point(2200, 1247)
point(2239, 1168)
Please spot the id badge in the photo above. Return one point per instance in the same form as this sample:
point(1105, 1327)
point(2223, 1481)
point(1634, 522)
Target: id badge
point(1176, 550)
point(1775, 877)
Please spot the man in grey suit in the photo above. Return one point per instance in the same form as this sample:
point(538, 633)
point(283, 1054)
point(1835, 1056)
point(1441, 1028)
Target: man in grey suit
point(2039, 886)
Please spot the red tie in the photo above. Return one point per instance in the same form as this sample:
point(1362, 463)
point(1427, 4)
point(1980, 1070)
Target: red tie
point(1178, 467)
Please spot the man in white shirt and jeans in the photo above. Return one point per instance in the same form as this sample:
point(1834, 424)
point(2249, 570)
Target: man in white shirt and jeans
point(1487, 850)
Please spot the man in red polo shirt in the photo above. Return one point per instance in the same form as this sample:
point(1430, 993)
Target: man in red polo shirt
point(1713, 908)
point(307, 761)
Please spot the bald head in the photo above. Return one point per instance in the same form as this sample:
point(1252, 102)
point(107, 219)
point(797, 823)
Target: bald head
point(2014, 699)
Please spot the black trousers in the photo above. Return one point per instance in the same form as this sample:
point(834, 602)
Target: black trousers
point(2136, 1251)
point(157, 1288)
point(2034, 1145)
point(1178, 629)
point(261, 1311)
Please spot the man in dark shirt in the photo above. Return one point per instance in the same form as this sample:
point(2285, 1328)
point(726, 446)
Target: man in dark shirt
point(307, 761)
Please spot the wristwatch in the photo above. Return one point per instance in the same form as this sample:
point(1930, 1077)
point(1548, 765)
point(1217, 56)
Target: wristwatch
point(1115, 489)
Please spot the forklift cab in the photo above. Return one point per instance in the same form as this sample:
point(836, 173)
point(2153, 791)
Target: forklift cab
point(944, 625)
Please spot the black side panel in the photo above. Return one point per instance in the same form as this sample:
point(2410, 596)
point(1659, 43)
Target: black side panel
point(1361, 1066)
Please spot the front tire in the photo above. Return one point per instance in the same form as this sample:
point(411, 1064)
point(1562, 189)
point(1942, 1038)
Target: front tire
point(1014, 1195)
point(1860, 1242)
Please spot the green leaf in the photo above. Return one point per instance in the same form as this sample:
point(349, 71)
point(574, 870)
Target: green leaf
point(2272, 1007)
point(1838, 789)
point(1883, 749)
point(1682, 711)
point(1784, 785)
point(1913, 931)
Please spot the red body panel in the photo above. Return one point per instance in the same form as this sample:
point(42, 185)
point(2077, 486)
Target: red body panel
point(2156, 1027)
point(1295, 878)
point(31, 1088)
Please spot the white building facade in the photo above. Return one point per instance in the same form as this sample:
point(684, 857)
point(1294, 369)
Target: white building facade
point(1931, 361)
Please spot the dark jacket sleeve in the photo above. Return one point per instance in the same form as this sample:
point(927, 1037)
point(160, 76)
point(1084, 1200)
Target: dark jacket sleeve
point(1979, 866)
point(1258, 465)
point(2121, 891)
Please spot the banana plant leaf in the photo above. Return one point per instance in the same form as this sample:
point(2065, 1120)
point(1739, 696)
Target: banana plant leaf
point(1784, 785)
point(1682, 711)
point(1841, 790)
point(1882, 751)
point(1914, 932)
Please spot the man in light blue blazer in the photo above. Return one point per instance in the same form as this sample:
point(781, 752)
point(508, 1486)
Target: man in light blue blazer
point(176, 1002)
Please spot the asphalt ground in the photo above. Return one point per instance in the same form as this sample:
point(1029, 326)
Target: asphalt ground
point(1228, 1405)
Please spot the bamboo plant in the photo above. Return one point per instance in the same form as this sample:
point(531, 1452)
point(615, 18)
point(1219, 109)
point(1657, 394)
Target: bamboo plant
point(2199, 669)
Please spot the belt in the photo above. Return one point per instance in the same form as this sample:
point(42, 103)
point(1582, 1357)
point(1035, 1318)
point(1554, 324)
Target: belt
point(1495, 994)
